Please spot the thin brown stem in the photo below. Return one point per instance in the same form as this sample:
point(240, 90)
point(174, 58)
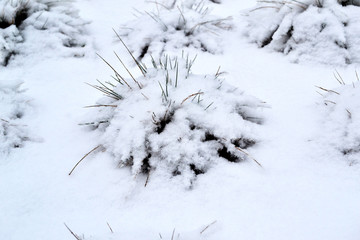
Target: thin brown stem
point(208, 227)
point(72, 233)
point(192, 95)
point(83, 159)
point(247, 154)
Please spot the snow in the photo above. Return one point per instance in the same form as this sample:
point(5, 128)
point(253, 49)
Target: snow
point(341, 106)
point(170, 29)
point(305, 190)
point(30, 27)
point(308, 31)
point(13, 132)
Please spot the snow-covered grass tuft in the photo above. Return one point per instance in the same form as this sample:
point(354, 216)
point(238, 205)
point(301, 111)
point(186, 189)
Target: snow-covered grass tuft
point(13, 131)
point(307, 30)
point(342, 119)
point(175, 123)
point(174, 26)
point(30, 26)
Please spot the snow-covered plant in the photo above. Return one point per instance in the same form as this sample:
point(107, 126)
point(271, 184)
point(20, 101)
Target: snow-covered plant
point(173, 27)
point(13, 132)
point(307, 30)
point(342, 120)
point(173, 122)
point(349, 2)
point(30, 26)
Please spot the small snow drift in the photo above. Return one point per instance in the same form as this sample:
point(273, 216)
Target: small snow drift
point(13, 132)
point(308, 30)
point(175, 123)
point(30, 26)
point(174, 27)
point(342, 120)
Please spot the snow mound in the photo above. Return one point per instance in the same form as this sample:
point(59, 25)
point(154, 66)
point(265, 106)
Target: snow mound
point(311, 30)
point(342, 120)
point(29, 27)
point(175, 26)
point(13, 132)
point(175, 122)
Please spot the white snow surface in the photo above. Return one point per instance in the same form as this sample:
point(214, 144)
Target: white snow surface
point(305, 190)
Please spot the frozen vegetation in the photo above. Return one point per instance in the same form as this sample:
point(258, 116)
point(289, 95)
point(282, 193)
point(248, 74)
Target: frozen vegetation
point(311, 30)
point(177, 123)
point(172, 146)
point(31, 26)
point(174, 27)
point(13, 131)
point(342, 121)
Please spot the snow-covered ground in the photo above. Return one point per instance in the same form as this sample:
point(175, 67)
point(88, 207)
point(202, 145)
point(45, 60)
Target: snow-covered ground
point(305, 190)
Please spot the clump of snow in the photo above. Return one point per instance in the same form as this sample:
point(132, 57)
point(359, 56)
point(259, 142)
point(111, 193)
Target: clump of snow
point(13, 132)
point(174, 26)
point(311, 30)
point(29, 27)
point(342, 120)
point(175, 123)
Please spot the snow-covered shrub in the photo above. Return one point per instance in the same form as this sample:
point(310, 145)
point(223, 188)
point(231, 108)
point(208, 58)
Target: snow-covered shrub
point(13, 132)
point(342, 120)
point(175, 26)
point(175, 122)
point(30, 26)
point(349, 2)
point(307, 30)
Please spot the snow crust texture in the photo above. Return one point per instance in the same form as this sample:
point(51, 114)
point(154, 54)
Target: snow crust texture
point(342, 121)
point(30, 26)
point(307, 31)
point(174, 26)
point(175, 122)
point(13, 131)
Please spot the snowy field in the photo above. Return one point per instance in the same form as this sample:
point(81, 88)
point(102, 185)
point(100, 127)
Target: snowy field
point(266, 148)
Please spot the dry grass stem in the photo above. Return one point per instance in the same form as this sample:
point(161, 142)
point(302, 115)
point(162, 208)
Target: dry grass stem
point(339, 78)
point(110, 227)
point(83, 159)
point(330, 102)
point(208, 227)
point(327, 90)
point(247, 154)
point(92, 106)
point(192, 95)
point(173, 233)
point(128, 70)
point(255, 9)
point(142, 70)
point(72, 233)
point(147, 179)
